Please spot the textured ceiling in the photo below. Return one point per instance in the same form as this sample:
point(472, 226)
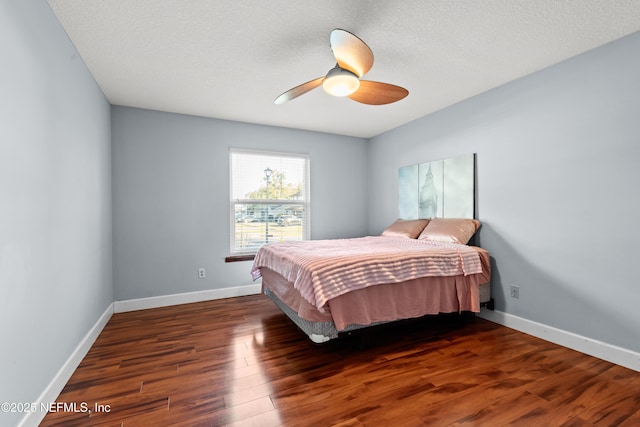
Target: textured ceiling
point(230, 59)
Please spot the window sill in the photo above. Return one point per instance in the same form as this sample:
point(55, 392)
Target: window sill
point(237, 258)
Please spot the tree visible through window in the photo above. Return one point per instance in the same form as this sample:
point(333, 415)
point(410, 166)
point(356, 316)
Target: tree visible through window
point(269, 199)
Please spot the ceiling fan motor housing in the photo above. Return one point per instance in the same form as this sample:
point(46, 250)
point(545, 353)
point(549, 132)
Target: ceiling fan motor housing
point(340, 82)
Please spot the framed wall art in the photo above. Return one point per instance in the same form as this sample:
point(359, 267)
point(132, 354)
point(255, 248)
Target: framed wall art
point(438, 189)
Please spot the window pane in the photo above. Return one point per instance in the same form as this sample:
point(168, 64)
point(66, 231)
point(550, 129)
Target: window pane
point(257, 224)
point(267, 177)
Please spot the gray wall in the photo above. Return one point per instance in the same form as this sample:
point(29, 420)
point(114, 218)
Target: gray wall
point(55, 201)
point(171, 192)
point(557, 156)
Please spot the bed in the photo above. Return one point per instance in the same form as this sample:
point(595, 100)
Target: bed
point(414, 268)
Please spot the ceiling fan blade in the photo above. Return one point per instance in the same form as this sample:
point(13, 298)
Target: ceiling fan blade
point(376, 93)
point(351, 53)
point(299, 90)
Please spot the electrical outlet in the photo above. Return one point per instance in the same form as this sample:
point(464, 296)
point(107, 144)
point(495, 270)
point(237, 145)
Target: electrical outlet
point(515, 291)
point(202, 273)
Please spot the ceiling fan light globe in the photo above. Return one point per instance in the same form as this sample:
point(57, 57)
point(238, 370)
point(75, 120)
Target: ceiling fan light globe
point(340, 82)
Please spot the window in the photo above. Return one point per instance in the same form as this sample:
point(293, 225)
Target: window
point(269, 199)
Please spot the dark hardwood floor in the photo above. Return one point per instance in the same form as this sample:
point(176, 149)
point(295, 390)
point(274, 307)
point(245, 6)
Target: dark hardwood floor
point(241, 362)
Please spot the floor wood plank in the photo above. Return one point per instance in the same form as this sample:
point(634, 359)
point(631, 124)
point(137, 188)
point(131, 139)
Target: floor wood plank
point(241, 362)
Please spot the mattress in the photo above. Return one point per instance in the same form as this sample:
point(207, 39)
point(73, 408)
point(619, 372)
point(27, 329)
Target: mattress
point(324, 269)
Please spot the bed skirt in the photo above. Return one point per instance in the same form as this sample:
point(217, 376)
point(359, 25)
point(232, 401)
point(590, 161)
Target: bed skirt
point(320, 332)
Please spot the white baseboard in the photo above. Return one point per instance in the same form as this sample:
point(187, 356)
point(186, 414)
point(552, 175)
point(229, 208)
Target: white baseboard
point(610, 353)
point(186, 298)
point(51, 393)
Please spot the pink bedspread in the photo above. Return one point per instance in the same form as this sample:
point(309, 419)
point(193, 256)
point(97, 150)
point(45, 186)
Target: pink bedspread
point(324, 269)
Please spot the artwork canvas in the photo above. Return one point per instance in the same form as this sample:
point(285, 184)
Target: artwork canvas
point(408, 192)
point(459, 187)
point(431, 189)
point(438, 189)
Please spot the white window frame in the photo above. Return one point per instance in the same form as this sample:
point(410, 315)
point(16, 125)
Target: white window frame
point(305, 201)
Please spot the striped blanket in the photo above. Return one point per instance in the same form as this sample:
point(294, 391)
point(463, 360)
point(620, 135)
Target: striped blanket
point(324, 269)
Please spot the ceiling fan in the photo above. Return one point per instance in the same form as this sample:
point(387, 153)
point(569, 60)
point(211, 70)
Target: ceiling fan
point(354, 59)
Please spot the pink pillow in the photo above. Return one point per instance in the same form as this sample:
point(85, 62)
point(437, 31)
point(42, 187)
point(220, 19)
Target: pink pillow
point(452, 230)
point(409, 228)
